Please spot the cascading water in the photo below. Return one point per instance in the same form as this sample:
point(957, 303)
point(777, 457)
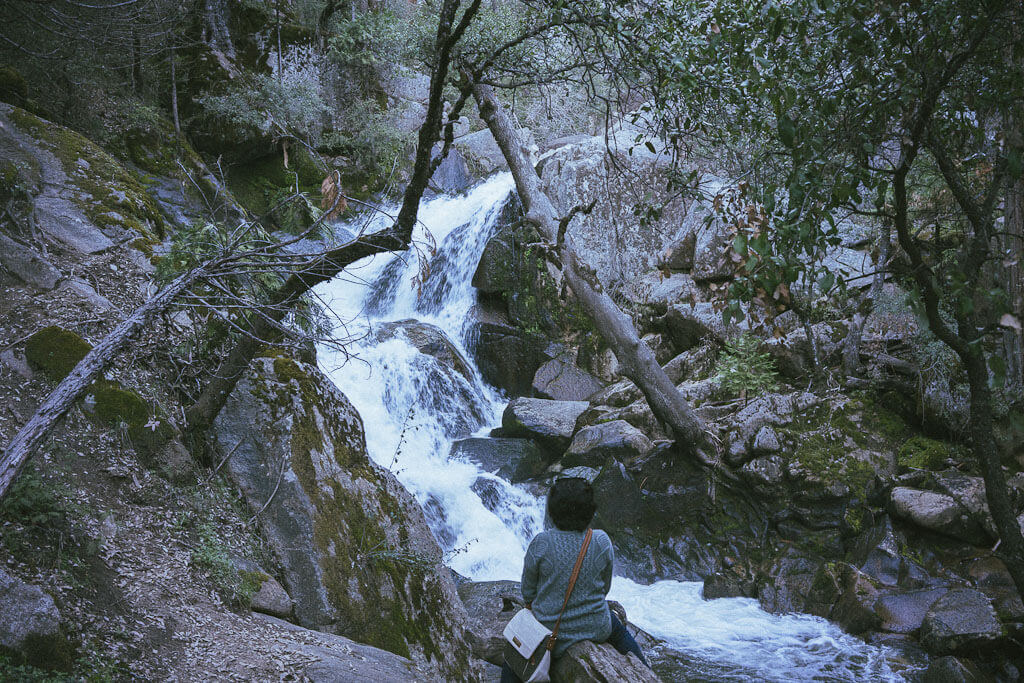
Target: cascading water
point(410, 376)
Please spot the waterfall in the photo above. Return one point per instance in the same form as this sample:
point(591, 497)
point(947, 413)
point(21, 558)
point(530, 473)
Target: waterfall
point(414, 405)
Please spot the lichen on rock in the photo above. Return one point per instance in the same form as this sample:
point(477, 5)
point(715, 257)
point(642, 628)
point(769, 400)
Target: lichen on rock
point(357, 555)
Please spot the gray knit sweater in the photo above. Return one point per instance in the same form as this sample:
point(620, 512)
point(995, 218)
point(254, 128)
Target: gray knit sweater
point(546, 571)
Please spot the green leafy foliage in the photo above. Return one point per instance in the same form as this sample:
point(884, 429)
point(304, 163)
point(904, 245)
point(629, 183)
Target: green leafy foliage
point(744, 370)
point(32, 501)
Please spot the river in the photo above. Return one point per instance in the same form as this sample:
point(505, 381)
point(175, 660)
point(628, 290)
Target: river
point(413, 408)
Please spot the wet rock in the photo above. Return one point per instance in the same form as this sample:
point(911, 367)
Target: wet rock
point(429, 340)
point(512, 459)
point(27, 264)
point(494, 273)
point(30, 625)
point(678, 255)
point(796, 582)
point(507, 357)
point(726, 585)
point(959, 621)
point(936, 512)
point(952, 670)
point(593, 445)
point(877, 553)
point(585, 662)
point(560, 379)
point(905, 612)
point(272, 599)
point(490, 605)
point(550, 423)
point(854, 611)
point(617, 494)
point(328, 513)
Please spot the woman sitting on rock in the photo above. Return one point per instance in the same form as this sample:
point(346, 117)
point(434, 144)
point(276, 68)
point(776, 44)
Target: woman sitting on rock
point(548, 564)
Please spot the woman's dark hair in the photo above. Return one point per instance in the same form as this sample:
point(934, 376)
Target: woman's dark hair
point(571, 504)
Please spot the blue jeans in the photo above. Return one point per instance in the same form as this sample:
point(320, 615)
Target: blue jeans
point(620, 639)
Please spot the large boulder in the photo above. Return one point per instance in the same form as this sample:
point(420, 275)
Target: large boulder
point(508, 358)
point(550, 423)
point(562, 380)
point(85, 201)
point(617, 175)
point(428, 339)
point(687, 325)
point(959, 621)
point(936, 512)
point(712, 255)
point(589, 662)
point(339, 525)
point(904, 612)
point(513, 459)
point(27, 264)
point(594, 445)
point(30, 625)
point(329, 658)
point(490, 605)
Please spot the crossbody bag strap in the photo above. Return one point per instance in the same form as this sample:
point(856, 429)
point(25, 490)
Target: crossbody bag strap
point(572, 584)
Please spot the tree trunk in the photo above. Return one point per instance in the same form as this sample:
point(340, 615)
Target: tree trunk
point(174, 96)
point(635, 358)
point(82, 376)
point(997, 494)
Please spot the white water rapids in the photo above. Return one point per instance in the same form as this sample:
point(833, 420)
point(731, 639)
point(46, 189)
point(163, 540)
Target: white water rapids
point(413, 409)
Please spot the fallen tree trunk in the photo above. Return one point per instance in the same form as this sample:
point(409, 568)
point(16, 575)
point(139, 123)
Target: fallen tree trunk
point(635, 358)
point(81, 377)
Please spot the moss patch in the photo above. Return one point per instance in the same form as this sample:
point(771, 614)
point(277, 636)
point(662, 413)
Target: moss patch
point(385, 596)
point(55, 351)
point(111, 195)
point(922, 453)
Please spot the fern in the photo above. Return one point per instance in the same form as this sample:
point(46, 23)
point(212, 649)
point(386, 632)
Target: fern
point(745, 370)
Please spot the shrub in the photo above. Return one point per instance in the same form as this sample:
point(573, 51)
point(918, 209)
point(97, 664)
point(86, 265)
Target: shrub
point(745, 370)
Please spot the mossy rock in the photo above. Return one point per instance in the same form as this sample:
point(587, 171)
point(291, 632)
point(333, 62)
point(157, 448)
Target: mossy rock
point(117, 406)
point(13, 88)
point(55, 351)
point(109, 194)
point(922, 453)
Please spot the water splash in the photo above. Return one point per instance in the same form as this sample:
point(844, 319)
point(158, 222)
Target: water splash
point(413, 406)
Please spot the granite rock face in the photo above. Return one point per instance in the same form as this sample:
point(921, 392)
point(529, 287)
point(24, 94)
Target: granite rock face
point(30, 625)
point(338, 524)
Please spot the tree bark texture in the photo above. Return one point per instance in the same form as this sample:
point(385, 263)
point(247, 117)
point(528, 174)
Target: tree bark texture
point(636, 359)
